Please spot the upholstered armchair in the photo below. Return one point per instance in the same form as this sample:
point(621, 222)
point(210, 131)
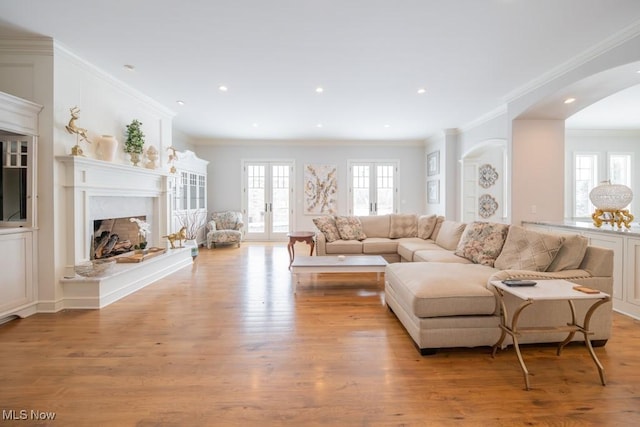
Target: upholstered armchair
point(225, 227)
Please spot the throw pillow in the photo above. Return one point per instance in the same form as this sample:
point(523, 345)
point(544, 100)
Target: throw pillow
point(482, 242)
point(350, 228)
point(571, 253)
point(426, 225)
point(403, 225)
point(327, 225)
point(528, 250)
point(449, 234)
point(436, 228)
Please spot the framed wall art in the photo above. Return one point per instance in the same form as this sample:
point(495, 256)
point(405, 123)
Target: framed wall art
point(320, 189)
point(433, 163)
point(433, 191)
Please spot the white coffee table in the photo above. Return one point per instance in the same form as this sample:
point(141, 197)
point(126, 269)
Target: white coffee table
point(336, 264)
point(548, 290)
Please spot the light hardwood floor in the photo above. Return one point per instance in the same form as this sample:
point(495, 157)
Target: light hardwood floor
point(226, 343)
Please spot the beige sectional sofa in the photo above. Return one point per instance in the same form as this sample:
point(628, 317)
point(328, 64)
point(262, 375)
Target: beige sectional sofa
point(437, 282)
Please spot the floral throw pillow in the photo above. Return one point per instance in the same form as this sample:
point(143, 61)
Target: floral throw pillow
point(482, 242)
point(350, 228)
point(327, 225)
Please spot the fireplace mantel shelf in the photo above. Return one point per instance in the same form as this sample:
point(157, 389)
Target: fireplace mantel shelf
point(81, 160)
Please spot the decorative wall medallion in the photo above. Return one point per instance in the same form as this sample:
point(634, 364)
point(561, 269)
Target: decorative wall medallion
point(487, 176)
point(487, 205)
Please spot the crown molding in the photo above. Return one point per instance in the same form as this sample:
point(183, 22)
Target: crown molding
point(60, 49)
point(27, 46)
point(308, 143)
point(493, 114)
point(590, 54)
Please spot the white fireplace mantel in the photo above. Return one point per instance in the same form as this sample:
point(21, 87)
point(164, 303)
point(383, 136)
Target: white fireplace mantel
point(95, 185)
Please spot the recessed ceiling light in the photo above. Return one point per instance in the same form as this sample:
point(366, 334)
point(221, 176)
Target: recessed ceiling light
point(569, 100)
point(223, 88)
point(387, 125)
point(129, 67)
point(319, 89)
point(255, 125)
point(421, 91)
point(319, 125)
point(180, 102)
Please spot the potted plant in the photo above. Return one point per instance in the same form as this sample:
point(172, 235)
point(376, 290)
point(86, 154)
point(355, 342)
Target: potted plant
point(134, 145)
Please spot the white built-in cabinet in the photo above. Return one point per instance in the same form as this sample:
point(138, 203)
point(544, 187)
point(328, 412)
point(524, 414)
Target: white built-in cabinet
point(626, 258)
point(18, 195)
point(190, 192)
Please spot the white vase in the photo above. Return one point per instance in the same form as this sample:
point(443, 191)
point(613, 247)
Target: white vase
point(193, 244)
point(107, 147)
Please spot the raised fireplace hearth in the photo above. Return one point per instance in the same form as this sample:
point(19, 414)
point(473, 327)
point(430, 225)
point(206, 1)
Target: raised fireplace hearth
point(98, 190)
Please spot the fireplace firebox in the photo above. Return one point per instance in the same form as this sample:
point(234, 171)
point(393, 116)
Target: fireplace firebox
point(114, 236)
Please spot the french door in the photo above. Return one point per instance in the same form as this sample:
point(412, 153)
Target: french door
point(267, 199)
point(373, 187)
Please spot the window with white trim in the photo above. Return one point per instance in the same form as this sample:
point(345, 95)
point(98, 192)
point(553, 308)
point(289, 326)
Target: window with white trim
point(373, 187)
point(585, 179)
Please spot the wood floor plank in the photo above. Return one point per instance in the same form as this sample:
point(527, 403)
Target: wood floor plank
point(227, 343)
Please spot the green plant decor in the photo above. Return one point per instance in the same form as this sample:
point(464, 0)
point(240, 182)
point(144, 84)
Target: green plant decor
point(135, 138)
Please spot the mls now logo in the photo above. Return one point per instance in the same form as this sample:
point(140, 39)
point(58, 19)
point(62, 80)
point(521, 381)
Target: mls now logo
point(23, 414)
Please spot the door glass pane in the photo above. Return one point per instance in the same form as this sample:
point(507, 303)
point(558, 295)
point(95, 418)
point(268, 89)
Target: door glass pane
point(255, 198)
point(361, 196)
point(384, 189)
point(280, 191)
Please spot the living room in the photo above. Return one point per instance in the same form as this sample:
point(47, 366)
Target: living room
point(524, 124)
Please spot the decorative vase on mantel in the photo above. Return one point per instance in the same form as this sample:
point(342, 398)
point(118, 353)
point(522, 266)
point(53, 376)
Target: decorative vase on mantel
point(107, 147)
point(135, 158)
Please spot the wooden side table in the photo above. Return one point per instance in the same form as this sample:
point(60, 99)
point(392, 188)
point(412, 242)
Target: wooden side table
point(307, 237)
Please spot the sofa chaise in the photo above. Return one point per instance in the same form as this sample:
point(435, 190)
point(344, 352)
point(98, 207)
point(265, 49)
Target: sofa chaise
point(438, 280)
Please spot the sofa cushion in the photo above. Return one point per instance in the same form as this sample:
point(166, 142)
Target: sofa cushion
point(344, 247)
point(571, 253)
point(435, 290)
point(379, 245)
point(327, 225)
point(375, 225)
point(482, 242)
point(408, 246)
point(426, 225)
point(528, 250)
point(403, 225)
point(350, 228)
point(449, 234)
point(439, 256)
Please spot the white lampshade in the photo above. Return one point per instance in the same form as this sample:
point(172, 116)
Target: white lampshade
point(611, 197)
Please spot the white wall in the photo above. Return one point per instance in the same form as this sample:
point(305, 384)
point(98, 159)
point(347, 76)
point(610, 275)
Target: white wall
point(602, 142)
point(224, 178)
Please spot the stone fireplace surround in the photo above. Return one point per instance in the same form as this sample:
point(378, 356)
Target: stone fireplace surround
point(97, 189)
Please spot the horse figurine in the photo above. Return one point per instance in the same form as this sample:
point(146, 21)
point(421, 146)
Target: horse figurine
point(179, 236)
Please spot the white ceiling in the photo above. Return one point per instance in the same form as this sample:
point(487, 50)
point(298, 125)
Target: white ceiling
point(370, 56)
